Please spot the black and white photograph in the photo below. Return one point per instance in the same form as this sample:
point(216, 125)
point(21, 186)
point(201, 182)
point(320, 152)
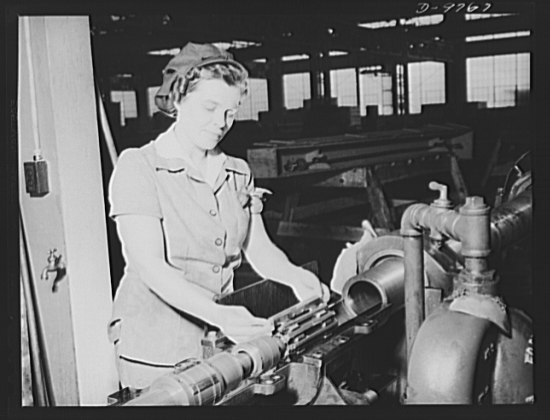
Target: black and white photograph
point(319, 204)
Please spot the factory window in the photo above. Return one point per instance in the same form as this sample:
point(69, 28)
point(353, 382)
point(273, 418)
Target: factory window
point(128, 104)
point(503, 35)
point(475, 16)
point(426, 85)
point(256, 101)
point(297, 89)
point(151, 105)
point(423, 20)
point(344, 86)
point(295, 57)
point(500, 80)
point(379, 24)
point(376, 89)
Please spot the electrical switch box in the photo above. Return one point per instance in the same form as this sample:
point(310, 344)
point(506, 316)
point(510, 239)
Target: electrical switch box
point(36, 178)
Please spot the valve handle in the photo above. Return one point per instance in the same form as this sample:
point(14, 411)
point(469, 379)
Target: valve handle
point(443, 201)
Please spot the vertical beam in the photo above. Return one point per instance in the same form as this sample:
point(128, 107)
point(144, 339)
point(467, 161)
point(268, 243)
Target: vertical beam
point(405, 88)
point(315, 76)
point(275, 86)
point(142, 100)
point(458, 179)
point(71, 217)
point(358, 88)
point(395, 90)
point(326, 77)
point(455, 73)
point(381, 210)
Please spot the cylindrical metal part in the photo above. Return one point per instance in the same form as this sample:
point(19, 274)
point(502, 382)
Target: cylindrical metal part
point(414, 287)
point(475, 265)
point(473, 228)
point(194, 382)
point(230, 369)
point(511, 221)
point(246, 363)
point(265, 353)
point(204, 382)
point(377, 286)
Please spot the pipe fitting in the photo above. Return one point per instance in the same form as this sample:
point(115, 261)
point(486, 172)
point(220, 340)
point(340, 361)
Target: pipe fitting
point(484, 283)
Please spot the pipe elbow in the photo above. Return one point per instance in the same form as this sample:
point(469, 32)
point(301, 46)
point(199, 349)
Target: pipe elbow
point(410, 221)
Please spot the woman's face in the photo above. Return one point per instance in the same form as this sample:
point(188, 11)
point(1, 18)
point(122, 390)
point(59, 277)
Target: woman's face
point(207, 113)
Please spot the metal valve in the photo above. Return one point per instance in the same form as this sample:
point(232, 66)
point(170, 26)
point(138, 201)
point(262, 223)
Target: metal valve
point(55, 265)
point(442, 202)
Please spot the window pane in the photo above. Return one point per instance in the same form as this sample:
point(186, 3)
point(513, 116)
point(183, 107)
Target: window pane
point(296, 89)
point(344, 87)
point(255, 102)
point(500, 81)
point(128, 104)
point(426, 84)
point(151, 105)
point(376, 89)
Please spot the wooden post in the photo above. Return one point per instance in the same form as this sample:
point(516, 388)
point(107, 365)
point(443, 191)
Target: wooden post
point(71, 216)
point(381, 211)
point(493, 160)
point(458, 179)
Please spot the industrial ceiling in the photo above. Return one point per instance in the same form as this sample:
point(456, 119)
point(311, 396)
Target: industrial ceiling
point(124, 41)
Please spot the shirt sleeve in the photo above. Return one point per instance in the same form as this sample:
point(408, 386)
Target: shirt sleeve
point(257, 196)
point(132, 187)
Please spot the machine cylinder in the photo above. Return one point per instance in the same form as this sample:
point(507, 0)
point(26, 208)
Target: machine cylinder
point(380, 285)
point(511, 221)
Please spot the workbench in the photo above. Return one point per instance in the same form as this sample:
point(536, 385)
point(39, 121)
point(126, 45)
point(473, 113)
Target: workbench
point(359, 165)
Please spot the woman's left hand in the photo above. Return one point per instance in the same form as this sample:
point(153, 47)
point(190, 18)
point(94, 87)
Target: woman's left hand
point(308, 286)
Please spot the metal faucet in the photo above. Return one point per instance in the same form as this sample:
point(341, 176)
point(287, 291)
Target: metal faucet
point(54, 264)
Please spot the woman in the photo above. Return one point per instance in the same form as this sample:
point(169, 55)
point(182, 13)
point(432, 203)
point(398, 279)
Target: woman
point(184, 212)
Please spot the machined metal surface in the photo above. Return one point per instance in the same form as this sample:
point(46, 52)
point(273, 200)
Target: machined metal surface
point(512, 381)
point(442, 364)
point(453, 354)
point(512, 220)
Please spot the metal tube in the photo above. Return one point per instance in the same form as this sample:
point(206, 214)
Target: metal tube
point(511, 221)
point(377, 286)
point(414, 287)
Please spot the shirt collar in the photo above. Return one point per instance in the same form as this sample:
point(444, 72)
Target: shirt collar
point(177, 164)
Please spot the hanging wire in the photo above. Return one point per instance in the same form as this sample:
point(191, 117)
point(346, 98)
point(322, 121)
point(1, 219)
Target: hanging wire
point(37, 154)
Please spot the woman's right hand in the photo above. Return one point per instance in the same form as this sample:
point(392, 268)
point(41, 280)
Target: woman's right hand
point(239, 325)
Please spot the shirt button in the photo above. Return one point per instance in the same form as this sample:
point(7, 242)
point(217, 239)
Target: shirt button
point(216, 269)
point(218, 242)
point(213, 212)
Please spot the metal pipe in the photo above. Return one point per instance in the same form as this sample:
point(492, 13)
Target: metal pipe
point(470, 226)
point(414, 286)
point(511, 221)
point(380, 285)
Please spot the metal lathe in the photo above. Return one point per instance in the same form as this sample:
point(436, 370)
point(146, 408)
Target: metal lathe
point(423, 321)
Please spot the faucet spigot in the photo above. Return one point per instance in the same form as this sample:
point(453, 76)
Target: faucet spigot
point(54, 264)
point(442, 202)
